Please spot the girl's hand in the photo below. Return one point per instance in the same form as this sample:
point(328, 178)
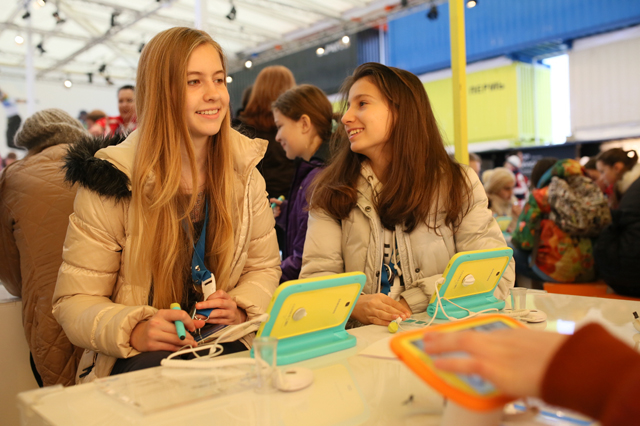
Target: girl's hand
point(515, 361)
point(159, 332)
point(225, 309)
point(276, 209)
point(379, 309)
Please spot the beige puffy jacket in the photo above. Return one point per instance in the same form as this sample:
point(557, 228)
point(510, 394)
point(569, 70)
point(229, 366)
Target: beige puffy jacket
point(95, 301)
point(35, 204)
point(356, 244)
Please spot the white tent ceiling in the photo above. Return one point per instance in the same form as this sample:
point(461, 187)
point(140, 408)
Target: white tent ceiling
point(110, 33)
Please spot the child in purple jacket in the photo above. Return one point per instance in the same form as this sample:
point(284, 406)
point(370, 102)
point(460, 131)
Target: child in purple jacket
point(303, 116)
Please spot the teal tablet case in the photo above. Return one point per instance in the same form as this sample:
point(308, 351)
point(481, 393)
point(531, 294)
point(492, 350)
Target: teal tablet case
point(309, 316)
point(487, 267)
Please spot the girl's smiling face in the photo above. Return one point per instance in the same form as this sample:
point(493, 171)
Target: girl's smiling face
point(207, 98)
point(368, 120)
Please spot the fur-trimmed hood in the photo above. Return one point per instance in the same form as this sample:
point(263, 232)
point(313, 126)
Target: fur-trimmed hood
point(82, 167)
point(98, 165)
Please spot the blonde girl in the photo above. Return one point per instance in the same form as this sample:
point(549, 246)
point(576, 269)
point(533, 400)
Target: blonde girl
point(183, 175)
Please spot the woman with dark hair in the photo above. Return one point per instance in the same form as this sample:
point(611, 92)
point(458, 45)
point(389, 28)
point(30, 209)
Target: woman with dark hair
point(617, 250)
point(391, 203)
point(257, 122)
point(303, 116)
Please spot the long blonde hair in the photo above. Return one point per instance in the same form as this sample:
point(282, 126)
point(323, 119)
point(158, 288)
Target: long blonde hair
point(161, 232)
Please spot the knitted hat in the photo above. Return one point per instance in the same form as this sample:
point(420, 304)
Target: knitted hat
point(47, 128)
point(496, 179)
point(514, 160)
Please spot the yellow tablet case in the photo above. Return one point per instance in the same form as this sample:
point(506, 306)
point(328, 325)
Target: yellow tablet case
point(309, 316)
point(486, 267)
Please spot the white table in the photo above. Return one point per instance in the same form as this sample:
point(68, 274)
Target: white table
point(349, 389)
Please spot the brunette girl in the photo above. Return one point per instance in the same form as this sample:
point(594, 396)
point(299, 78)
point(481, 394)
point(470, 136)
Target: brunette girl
point(181, 177)
point(392, 203)
point(303, 116)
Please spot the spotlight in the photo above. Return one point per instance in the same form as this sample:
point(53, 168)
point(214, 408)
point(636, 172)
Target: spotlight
point(26, 15)
point(248, 64)
point(433, 13)
point(320, 51)
point(232, 13)
point(59, 20)
point(19, 39)
point(108, 80)
point(345, 39)
point(102, 68)
point(41, 2)
point(472, 3)
point(40, 48)
point(90, 77)
point(114, 15)
point(141, 47)
point(229, 79)
point(68, 84)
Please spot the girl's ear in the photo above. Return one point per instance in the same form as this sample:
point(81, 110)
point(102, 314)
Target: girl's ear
point(618, 167)
point(305, 123)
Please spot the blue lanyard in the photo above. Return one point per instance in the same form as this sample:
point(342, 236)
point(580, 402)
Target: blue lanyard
point(199, 272)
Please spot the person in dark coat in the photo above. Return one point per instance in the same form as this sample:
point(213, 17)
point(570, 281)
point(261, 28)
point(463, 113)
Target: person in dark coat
point(303, 116)
point(617, 251)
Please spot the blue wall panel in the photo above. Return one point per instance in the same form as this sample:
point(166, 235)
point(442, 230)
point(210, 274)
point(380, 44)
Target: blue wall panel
point(501, 27)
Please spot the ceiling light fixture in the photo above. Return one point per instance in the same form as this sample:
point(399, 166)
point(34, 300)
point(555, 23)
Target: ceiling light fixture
point(472, 3)
point(432, 15)
point(229, 79)
point(59, 19)
point(141, 47)
point(345, 39)
point(67, 83)
point(19, 39)
point(114, 15)
point(41, 2)
point(248, 64)
point(108, 80)
point(40, 47)
point(90, 77)
point(320, 51)
point(102, 68)
point(232, 13)
point(26, 15)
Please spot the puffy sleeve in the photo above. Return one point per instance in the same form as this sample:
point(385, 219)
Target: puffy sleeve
point(322, 253)
point(91, 264)
point(261, 272)
point(10, 274)
point(480, 231)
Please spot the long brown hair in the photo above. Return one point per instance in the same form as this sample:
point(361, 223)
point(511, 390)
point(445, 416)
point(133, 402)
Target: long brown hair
point(422, 180)
point(270, 83)
point(310, 100)
point(161, 233)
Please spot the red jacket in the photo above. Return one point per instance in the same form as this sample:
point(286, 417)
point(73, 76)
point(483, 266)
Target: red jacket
point(596, 374)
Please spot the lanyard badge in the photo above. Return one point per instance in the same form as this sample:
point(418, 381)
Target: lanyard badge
point(204, 281)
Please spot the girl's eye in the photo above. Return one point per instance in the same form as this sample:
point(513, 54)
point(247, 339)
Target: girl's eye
point(362, 103)
point(192, 82)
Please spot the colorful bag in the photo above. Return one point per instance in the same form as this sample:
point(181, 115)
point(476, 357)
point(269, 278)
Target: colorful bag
point(578, 206)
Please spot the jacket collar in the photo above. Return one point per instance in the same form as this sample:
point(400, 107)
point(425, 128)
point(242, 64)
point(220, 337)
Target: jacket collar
point(106, 169)
point(628, 178)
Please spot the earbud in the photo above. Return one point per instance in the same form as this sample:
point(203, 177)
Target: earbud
point(394, 325)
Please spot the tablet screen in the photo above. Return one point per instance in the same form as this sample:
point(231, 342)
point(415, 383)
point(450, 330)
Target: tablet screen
point(475, 382)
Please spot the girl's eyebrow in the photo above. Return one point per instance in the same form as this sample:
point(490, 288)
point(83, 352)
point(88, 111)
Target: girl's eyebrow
point(201, 73)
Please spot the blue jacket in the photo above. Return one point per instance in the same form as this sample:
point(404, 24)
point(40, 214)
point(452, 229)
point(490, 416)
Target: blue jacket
point(294, 212)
